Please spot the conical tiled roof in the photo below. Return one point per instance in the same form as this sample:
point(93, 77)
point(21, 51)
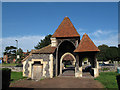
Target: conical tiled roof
point(86, 45)
point(66, 29)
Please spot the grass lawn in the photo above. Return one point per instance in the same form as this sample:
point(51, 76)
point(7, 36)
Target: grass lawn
point(16, 76)
point(108, 79)
point(8, 64)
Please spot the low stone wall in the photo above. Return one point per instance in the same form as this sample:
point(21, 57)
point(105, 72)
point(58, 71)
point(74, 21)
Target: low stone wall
point(15, 69)
point(119, 65)
point(107, 69)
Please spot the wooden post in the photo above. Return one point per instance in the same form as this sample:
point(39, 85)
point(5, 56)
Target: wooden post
point(57, 62)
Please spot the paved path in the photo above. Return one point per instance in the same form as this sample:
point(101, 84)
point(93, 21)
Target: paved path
point(70, 72)
point(59, 82)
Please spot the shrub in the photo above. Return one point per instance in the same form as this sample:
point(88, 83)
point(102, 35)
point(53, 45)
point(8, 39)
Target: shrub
point(118, 81)
point(6, 77)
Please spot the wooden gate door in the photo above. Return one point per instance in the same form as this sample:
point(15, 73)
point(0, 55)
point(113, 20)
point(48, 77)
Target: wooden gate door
point(37, 72)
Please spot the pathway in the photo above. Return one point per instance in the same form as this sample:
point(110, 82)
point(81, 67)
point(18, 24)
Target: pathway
point(59, 82)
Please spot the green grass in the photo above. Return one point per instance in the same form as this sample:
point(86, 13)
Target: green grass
point(108, 79)
point(9, 64)
point(16, 76)
point(67, 65)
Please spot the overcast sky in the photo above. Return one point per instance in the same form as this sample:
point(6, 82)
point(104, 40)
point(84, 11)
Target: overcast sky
point(30, 22)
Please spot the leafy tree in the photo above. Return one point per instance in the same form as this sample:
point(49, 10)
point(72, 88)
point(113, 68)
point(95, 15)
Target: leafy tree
point(112, 53)
point(118, 53)
point(11, 52)
point(102, 54)
point(46, 41)
point(108, 53)
point(20, 53)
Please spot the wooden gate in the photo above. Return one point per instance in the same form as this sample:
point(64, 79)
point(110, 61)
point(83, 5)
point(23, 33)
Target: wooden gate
point(37, 72)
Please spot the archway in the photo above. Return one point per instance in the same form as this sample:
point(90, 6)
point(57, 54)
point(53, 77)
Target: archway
point(92, 61)
point(86, 67)
point(65, 46)
point(62, 58)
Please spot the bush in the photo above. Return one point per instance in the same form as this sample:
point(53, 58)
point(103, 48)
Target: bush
point(6, 77)
point(118, 81)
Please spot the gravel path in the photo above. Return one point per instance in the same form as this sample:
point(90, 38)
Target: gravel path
point(59, 82)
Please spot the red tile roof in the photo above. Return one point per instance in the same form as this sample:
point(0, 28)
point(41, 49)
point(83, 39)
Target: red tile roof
point(66, 29)
point(46, 49)
point(86, 45)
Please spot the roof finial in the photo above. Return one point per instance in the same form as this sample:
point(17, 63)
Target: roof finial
point(66, 16)
point(85, 34)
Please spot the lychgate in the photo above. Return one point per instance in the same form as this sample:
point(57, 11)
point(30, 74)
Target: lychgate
point(66, 49)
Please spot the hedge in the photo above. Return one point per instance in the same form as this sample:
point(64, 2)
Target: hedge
point(6, 77)
point(118, 81)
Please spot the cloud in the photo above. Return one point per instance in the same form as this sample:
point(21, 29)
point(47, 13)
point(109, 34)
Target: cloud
point(112, 40)
point(24, 42)
point(80, 29)
point(99, 33)
point(108, 37)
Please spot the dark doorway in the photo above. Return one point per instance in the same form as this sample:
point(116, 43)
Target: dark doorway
point(64, 47)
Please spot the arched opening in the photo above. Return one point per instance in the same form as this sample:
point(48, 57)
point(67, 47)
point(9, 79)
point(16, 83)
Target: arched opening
point(64, 47)
point(87, 64)
point(67, 64)
point(86, 67)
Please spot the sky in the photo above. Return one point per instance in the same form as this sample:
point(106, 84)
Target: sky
point(29, 22)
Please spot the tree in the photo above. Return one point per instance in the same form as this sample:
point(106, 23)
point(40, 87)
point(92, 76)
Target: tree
point(118, 53)
point(10, 51)
point(46, 41)
point(108, 53)
point(112, 53)
point(102, 54)
point(20, 53)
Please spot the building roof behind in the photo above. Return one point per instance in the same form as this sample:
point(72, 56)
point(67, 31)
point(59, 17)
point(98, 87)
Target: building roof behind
point(86, 45)
point(46, 49)
point(68, 57)
point(66, 29)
